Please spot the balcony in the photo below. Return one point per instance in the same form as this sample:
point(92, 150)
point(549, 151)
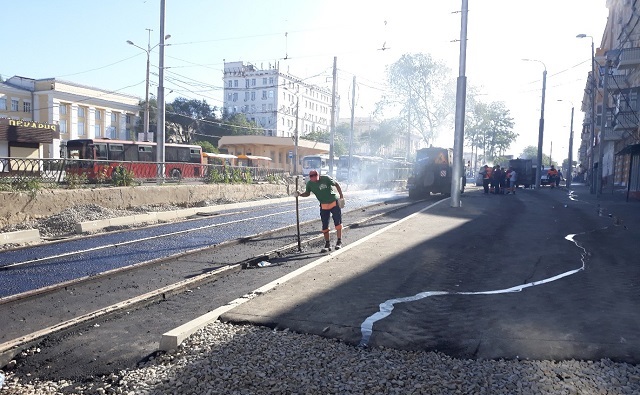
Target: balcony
point(625, 120)
point(629, 58)
point(617, 83)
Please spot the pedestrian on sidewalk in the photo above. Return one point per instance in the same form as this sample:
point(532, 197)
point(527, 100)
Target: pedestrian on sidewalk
point(331, 204)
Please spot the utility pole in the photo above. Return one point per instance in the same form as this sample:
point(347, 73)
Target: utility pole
point(161, 108)
point(570, 166)
point(603, 125)
point(353, 107)
point(333, 114)
point(461, 93)
point(295, 142)
point(146, 97)
point(408, 155)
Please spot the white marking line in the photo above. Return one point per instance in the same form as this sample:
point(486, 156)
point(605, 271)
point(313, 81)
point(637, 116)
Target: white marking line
point(366, 328)
point(143, 239)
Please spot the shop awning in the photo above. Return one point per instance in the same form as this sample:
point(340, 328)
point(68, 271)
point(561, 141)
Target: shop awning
point(630, 149)
point(219, 156)
point(253, 157)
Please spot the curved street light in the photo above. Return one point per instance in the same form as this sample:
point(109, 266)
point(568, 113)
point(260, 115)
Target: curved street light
point(541, 127)
point(146, 100)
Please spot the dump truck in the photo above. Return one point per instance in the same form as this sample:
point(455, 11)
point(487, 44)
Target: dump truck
point(525, 171)
point(432, 173)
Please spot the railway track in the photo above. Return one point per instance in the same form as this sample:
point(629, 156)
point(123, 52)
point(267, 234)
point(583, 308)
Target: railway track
point(62, 307)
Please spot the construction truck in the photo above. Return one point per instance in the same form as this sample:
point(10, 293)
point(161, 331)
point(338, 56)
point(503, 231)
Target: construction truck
point(432, 173)
point(526, 172)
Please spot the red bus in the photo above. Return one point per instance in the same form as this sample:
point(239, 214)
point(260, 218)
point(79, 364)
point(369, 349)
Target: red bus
point(97, 158)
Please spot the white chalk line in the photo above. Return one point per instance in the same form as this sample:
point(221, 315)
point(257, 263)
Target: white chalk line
point(366, 328)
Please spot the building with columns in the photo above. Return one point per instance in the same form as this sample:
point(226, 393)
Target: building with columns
point(79, 111)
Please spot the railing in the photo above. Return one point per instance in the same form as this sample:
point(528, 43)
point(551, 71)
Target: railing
point(79, 171)
point(629, 58)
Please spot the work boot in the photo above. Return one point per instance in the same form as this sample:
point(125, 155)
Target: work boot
point(339, 244)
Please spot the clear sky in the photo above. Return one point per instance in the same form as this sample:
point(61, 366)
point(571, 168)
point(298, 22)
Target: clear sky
point(85, 42)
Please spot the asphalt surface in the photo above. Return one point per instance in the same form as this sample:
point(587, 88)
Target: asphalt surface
point(499, 277)
point(543, 274)
point(122, 339)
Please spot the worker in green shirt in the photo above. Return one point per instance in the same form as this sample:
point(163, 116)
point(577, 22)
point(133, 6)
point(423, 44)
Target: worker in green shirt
point(331, 204)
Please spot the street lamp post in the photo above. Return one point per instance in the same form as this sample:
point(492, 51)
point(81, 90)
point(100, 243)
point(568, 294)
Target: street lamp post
point(146, 98)
point(570, 164)
point(541, 126)
point(593, 113)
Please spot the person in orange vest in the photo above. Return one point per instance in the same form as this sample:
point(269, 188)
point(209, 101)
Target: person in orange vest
point(552, 174)
point(486, 177)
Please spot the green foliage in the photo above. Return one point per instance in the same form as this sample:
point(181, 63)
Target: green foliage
point(75, 181)
point(422, 91)
point(207, 147)
point(531, 152)
point(239, 125)
point(228, 175)
point(121, 177)
point(274, 178)
point(101, 175)
point(31, 185)
point(490, 127)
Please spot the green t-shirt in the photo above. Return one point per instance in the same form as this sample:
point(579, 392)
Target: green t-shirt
point(322, 189)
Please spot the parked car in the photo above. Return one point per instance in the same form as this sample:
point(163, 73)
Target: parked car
point(479, 178)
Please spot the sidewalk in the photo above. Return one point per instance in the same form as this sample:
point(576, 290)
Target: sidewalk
point(538, 275)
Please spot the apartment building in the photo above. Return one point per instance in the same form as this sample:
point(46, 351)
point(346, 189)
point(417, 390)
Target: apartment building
point(610, 137)
point(272, 99)
point(79, 111)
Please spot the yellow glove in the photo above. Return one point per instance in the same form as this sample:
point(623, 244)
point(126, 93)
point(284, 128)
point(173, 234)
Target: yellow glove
point(295, 193)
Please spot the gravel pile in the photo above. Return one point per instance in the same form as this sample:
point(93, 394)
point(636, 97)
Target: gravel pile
point(231, 359)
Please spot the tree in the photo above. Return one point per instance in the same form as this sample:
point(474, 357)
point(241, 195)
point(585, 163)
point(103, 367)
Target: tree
point(384, 135)
point(491, 127)
point(207, 147)
point(238, 125)
point(423, 92)
point(340, 138)
point(531, 152)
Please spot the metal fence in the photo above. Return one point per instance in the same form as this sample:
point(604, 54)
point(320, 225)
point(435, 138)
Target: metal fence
point(61, 171)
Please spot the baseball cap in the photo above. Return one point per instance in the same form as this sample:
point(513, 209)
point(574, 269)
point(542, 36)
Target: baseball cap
point(313, 173)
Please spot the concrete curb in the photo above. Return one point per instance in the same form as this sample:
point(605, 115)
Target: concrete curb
point(21, 236)
point(151, 217)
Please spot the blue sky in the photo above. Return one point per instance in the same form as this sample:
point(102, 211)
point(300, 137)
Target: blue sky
point(85, 42)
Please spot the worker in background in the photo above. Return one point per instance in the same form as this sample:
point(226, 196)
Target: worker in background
point(552, 174)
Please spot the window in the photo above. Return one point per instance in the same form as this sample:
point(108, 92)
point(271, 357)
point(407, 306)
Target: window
point(253, 96)
point(270, 80)
point(270, 106)
point(98, 115)
point(270, 94)
point(98, 130)
point(246, 83)
point(253, 82)
point(229, 96)
point(80, 112)
point(81, 130)
point(230, 84)
point(62, 109)
point(264, 107)
point(26, 106)
point(235, 83)
point(14, 105)
point(264, 81)
point(114, 117)
point(235, 96)
point(264, 94)
point(253, 108)
point(63, 127)
point(128, 118)
point(3, 103)
point(246, 96)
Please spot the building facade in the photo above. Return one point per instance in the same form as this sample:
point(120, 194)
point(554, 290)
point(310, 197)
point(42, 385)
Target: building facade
point(79, 111)
point(611, 127)
point(272, 99)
